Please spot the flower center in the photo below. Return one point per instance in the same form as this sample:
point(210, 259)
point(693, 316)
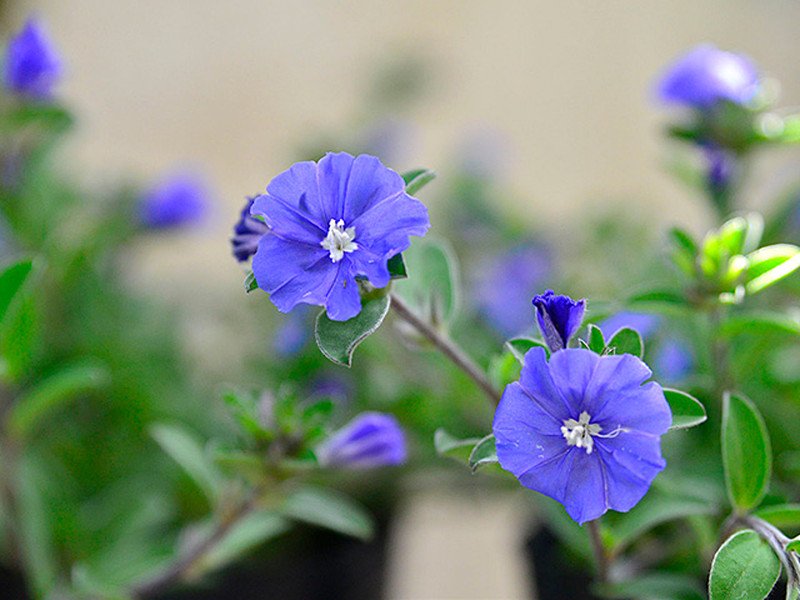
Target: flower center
point(339, 240)
point(579, 433)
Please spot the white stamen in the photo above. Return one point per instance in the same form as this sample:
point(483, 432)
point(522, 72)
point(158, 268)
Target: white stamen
point(339, 240)
point(580, 433)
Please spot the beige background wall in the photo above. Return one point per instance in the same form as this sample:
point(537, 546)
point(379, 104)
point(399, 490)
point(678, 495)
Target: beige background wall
point(235, 86)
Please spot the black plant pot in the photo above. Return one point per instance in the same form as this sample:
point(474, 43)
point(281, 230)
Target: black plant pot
point(553, 575)
point(12, 585)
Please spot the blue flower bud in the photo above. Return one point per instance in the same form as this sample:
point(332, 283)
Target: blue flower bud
point(178, 200)
point(247, 233)
point(370, 440)
point(559, 317)
point(32, 65)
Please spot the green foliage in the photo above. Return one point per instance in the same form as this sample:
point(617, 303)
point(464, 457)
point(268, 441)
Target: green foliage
point(687, 411)
point(451, 447)
point(745, 567)
point(519, 346)
point(597, 342)
point(504, 369)
point(655, 586)
point(250, 283)
point(397, 267)
point(339, 339)
point(330, 510)
point(782, 516)
point(627, 341)
point(746, 452)
point(249, 532)
point(417, 179)
point(484, 453)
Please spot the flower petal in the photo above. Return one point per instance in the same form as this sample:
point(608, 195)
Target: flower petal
point(613, 376)
point(537, 381)
point(641, 408)
point(526, 434)
point(371, 265)
point(298, 187)
point(571, 370)
point(384, 228)
point(288, 221)
point(633, 459)
point(370, 183)
point(333, 177)
point(343, 300)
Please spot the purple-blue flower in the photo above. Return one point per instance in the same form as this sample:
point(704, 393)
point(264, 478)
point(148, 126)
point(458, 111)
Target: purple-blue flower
point(673, 360)
point(583, 430)
point(559, 317)
point(370, 440)
point(506, 282)
point(179, 199)
point(247, 233)
point(705, 75)
point(32, 65)
point(332, 222)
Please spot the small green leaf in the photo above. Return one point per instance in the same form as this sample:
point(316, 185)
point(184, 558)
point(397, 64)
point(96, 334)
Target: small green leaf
point(417, 179)
point(484, 453)
point(397, 267)
point(451, 447)
point(11, 280)
point(655, 586)
point(759, 323)
point(519, 346)
point(597, 342)
point(769, 265)
point(744, 568)
point(431, 289)
point(793, 545)
point(504, 369)
point(338, 339)
point(659, 299)
point(746, 453)
point(52, 393)
point(627, 341)
point(687, 411)
point(250, 532)
point(250, 282)
point(185, 450)
point(330, 510)
point(782, 516)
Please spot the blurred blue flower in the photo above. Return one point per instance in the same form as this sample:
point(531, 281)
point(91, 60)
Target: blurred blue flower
point(179, 199)
point(370, 440)
point(705, 75)
point(673, 360)
point(504, 284)
point(33, 67)
point(247, 233)
point(583, 430)
point(329, 223)
point(645, 324)
point(293, 333)
point(720, 166)
point(559, 317)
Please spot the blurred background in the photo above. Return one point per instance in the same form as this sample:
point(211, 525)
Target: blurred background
point(552, 103)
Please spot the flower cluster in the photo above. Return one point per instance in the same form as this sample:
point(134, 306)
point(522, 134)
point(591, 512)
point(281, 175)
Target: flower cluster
point(331, 223)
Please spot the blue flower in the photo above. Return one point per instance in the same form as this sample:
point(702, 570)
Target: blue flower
point(32, 65)
point(332, 222)
point(247, 233)
point(505, 283)
point(583, 430)
point(370, 440)
point(179, 199)
point(705, 75)
point(645, 324)
point(673, 360)
point(559, 317)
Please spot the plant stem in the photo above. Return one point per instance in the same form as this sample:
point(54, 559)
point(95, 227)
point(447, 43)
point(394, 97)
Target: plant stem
point(601, 557)
point(447, 347)
point(720, 353)
point(177, 571)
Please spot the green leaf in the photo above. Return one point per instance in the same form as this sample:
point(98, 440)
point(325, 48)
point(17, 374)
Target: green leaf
point(654, 509)
point(782, 516)
point(11, 280)
point(687, 411)
point(656, 586)
point(53, 393)
point(452, 447)
point(338, 339)
point(746, 453)
point(504, 369)
point(484, 453)
point(793, 545)
point(597, 342)
point(397, 267)
point(417, 179)
point(330, 510)
point(769, 265)
point(250, 532)
point(431, 289)
point(250, 282)
point(519, 346)
point(744, 568)
point(627, 341)
point(760, 323)
point(185, 450)
point(659, 299)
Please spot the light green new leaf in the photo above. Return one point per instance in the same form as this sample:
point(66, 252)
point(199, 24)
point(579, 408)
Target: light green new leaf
point(417, 179)
point(744, 568)
point(746, 452)
point(191, 456)
point(597, 342)
point(769, 265)
point(687, 411)
point(330, 510)
point(339, 339)
point(627, 341)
